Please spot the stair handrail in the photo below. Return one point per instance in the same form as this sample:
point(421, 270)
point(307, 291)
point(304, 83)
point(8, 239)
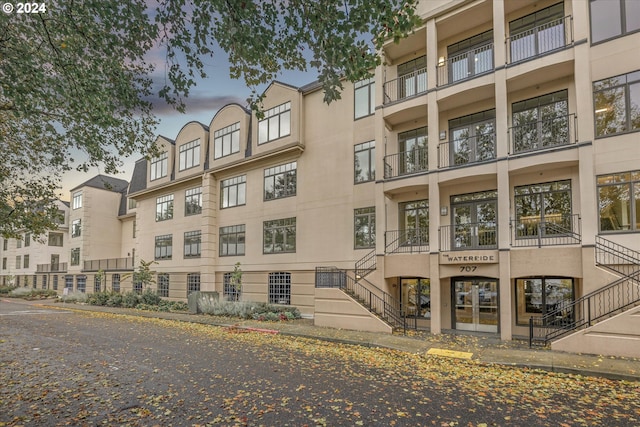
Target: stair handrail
point(366, 264)
point(627, 254)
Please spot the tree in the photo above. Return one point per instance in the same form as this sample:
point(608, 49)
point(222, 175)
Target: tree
point(236, 281)
point(76, 79)
point(143, 275)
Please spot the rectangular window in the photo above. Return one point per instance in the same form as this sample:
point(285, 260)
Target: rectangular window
point(18, 261)
point(413, 155)
point(18, 243)
point(137, 287)
point(538, 296)
point(616, 101)
point(164, 246)
point(540, 122)
point(77, 200)
point(193, 201)
point(68, 282)
point(280, 288)
point(364, 165)
point(75, 256)
point(472, 139)
point(414, 223)
point(231, 292)
point(159, 166)
point(164, 207)
point(543, 209)
point(226, 141)
point(27, 239)
point(233, 191)
point(232, 240)
point(54, 282)
point(275, 124)
point(4, 263)
point(613, 18)
point(412, 77)
point(192, 244)
point(189, 155)
point(133, 228)
point(35, 281)
point(132, 203)
point(163, 285)
point(81, 283)
point(365, 97)
point(44, 282)
point(59, 219)
point(279, 236)
point(55, 239)
point(537, 33)
point(97, 283)
point(5, 244)
point(280, 181)
point(26, 261)
point(115, 282)
point(193, 283)
point(76, 227)
point(619, 202)
point(365, 228)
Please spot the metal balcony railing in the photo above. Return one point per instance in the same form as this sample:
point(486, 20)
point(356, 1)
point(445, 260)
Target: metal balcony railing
point(108, 264)
point(406, 163)
point(469, 236)
point(406, 86)
point(478, 148)
point(539, 40)
point(59, 267)
point(414, 240)
point(543, 134)
point(553, 230)
point(466, 65)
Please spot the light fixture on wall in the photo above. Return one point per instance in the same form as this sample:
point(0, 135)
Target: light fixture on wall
point(444, 210)
point(441, 61)
point(443, 135)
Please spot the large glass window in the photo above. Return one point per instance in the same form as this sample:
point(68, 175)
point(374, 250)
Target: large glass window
point(473, 138)
point(189, 155)
point(27, 239)
point(543, 209)
point(613, 18)
point(115, 282)
point(538, 296)
point(97, 283)
point(541, 122)
point(4, 263)
point(159, 166)
point(26, 261)
point(192, 244)
point(163, 285)
point(470, 57)
point(365, 227)
point(279, 236)
point(617, 104)
point(365, 97)
point(231, 292)
point(365, 162)
point(280, 181)
point(193, 283)
point(76, 202)
point(75, 256)
point(414, 222)
point(164, 246)
point(619, 202)
point(193, 201)
point(413, 151)
point(226, 141)
point(233, 191)
point(537, 33)
point(474, 220)
point(416, 297)
point(164, 207)
point(55, 239)
point(280, 288)
point(412, 77)
point(275, 124)
point(232, 240)
point(19, 261)
point(76, 227)
point(81, 283)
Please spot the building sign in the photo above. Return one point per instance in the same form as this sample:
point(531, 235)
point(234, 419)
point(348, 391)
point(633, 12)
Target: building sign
point(469, 257)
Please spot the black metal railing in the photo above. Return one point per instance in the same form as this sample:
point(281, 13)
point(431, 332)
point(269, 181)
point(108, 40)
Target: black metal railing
point(466, 65)
point(366, 264)
point(469, 236)
point(544, 38)
point(616, 258)
point(59, 267)
point(406, 163)
point(413, 240)
point(541, 135)
point(465, 151)
point(406, 86)
point(108, 264)
point(553, 230)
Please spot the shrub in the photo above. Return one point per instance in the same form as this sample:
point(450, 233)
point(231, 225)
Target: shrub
point(247, 310)
point(149, 297)
point(114, 300)
point(98, 298)
point(4, 290)
point(75, 297)
point(130, 300)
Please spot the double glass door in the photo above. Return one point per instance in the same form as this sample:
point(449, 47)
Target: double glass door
point(476, 304)
point(474, 221)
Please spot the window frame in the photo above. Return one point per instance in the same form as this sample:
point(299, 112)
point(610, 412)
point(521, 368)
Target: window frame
point(367, 86)
point(288, 172)
point(369, 238)
point(239, 233)
point(76, 227)
point(192, 241)
point(219, 140)
point(74, 258)
point(189, 155)
point(25, 261)
point(163, 285)
point(97, 283)
point(193, 283)
point(57, 238)
point(272, 229)
point(279, 288)
point(190, 195)
point(159, 166)
point(369, 148)
point(115, 282)
point(76, 202)
point(81, 283)
point(163, 241)
point(229, 291)
point(632, 182)
point(621, 11)
point(279, 111)
point(531, 191)
point(164, 208)
point(522, 315)
point(631, 79)
point(226, 185)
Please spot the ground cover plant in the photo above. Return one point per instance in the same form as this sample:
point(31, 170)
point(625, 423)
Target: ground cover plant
point(261, 311)
point(27, 293)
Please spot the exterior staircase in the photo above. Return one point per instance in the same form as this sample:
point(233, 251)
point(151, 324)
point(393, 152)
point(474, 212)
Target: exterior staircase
point(606, 302)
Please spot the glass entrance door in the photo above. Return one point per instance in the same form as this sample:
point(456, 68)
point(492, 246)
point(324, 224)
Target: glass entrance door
point(474, 221)
point(476, 304)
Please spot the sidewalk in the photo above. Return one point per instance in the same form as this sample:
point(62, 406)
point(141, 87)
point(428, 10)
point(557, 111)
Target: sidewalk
point(481, 348)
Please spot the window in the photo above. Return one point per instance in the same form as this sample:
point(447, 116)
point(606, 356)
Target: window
point(115, 283)
point(55, 239)
point(81, 283)
point(543, 209)
point(189, 155)
point(537, 33)
point(163, 285)
point(17, 280)
point(538, 296)
point(231, 292)
point(280, 288)
point(540, 123)
point(470, 57)
point(275, 124)
point(97, 283)
point(192, 241)
point(412, 77)
point(35, 281)
point(54, 281)
point(193, 201)
point(4, 263)
point(75, 256)
point(68, 282)
point(132, 203)
point(44, 282)
point(414, 223)
point(137, 287)
point(193, 283)
point(164, 245)
point(617, 104)
point(613, 18)
point(233, 191)
point(18, 243)
point(77, 200)
point(280, 181)
point(76, 227)
point(133, 228)
point(226, 141)
point(59, 219)
point(413, 153)
point(279, 236)
point(619, 202)
point(365, 97)
point(18, 261)
point(26, 261)
point(159, 166)
point(232, 240)
point(27, 239)
point(473, 139)
point(365, 228)
point(164, 207)
point(364, 165)
point(5, 244)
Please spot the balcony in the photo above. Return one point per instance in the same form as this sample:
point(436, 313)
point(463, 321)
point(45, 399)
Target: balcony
point(542, 39)
point(112, 264)
point(464, 151)
point(406, 86)
point(466, 66)
point(469, 236)
point(60, 267)
point(414, 240)
point(552, 230)
point(406, 163)
point(549, 133)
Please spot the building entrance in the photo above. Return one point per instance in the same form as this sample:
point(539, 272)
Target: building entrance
point(475, 302)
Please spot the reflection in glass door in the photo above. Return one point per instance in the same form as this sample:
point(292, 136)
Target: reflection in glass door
point(475, 304)
point(474, 221)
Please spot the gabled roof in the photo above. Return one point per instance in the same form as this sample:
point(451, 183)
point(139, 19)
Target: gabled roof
point(104, 182)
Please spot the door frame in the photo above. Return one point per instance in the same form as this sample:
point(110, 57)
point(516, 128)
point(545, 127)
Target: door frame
point(474, 279)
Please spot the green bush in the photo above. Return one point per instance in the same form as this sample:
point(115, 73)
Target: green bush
point(130, 300)
point(30, 293)
point(149, 297)
point(98, 298)
point(75, 297)
point(248, 310)
point(4, 290)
